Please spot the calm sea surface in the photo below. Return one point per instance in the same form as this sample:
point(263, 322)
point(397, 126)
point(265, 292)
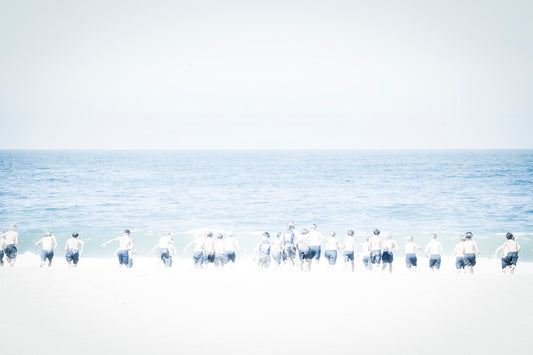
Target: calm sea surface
point(99, 193)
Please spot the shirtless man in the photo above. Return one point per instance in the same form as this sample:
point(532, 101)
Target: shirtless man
point(288, 239)
point(349, 246)
point(388, 246)
point(410, 253)
point(48, 244)
point(125, 246)
point(73, 250)
point(276, 249)
point(230, 247)
point(330, 250)
point(471, 249)
point(365, 250)
point(302, 245)
point(315, 243)
point(374, 246)
point(209, 249)
point(220, 252)
point(459, 252)
point(509, 252)
point(11, 240)
point(166, 248)
point(434, 250)
point(198, 251)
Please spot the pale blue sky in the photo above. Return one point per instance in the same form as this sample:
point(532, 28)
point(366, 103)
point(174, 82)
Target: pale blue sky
point(268, 74)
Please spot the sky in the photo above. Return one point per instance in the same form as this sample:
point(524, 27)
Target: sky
point(266, 74)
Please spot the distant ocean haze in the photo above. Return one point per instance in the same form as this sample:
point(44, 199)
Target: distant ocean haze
point(100, 193)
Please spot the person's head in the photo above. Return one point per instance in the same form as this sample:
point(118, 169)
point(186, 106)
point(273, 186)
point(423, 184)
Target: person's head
point(166, 232)
point(410, 238)
point(48, 234)
point(278, 235)
point(290, 225)
point(388, 235)
point(434, 236)
point(462, 238)
point(229, 234)
point(509, 236)
point(376, 231)
point(305, 231)
point(350, 233)
point(469, 235)
point(332, 233)
point(219, 235)
point(13, 227)
point(127, 231)
point(75, 235)
point(209, 235)
point(313, 227)
point(266, 235)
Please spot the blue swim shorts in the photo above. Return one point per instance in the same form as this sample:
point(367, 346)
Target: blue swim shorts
point(10, 251)
point(510, 259)
point(47, 254)
point(348, 256)
point(470, 259)
point(314, 252)
point(123, 257)
point(264, 261)
point(72, 256)
point(198, 257)
point(277, 257)
point(209, 258)
point(1, 256)
point(331, 255)
point(375, 256)
point(410, 260)
point(289, 252)
point(230, 256)
point(387, 257)
point(459, 263)
point(434, 261)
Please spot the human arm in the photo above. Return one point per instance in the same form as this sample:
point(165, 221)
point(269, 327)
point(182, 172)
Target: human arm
point(104, 244)
point(82, 244)
point(189, 245)
point(498, 250)
point(39, 242)
point(55, 242)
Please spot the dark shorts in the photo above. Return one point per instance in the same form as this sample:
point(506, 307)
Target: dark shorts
point(2, 257)
point(314, 252)
point(331, 255)
point(459, 263)
point(230, 256)
point(220, 259)
point(348, 256)
point(198, 257)
point(10, 251)
point(375, 256)
point(123, 257)
point(303, 253)
point(387, 257)
point(434, 261)
point(164, 254)
point(288, 252)
point(470, 259)
point(510, 259)
point(47, 255)
point(366, 261)
point(210, 258)
point(72, 256)
point(410, 260)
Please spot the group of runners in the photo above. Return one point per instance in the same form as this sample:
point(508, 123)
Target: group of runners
point(297, 249)
point(302, 248)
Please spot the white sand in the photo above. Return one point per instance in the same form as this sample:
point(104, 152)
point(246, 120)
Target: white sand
point(101, 309)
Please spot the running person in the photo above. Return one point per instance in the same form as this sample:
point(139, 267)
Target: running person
point(220, 252)
point(166, 248)
point(125, 248)
point(73, 250)
point(209, 249)
point(471, 249)
point(434, 250)
point(389, 246)
point(302, 245)
point(509, 251)
point(330, 251)
point(410, 253)
point(365, 247)
point(315, 243)
point(288, 239)
point(374, 246)
point(349, 247)
point(262, 252)
point(459, 253)
point(230, 247)
point(11, 244)
point(198, 251)
point(48, 244)
point(276, 249)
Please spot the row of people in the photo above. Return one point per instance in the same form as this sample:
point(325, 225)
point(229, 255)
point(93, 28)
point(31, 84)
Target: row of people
point(288, 246)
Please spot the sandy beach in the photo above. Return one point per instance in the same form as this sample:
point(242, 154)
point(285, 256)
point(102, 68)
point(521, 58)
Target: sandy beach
point(99, 308)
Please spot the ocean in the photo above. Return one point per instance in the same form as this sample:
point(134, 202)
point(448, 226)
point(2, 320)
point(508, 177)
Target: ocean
point(100, 193)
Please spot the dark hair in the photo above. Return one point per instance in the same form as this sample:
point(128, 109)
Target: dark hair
point(75, 235)
point(350, 232)
point(376, 231)
point(509, 235)
point(266, 234)
point(127, 231)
